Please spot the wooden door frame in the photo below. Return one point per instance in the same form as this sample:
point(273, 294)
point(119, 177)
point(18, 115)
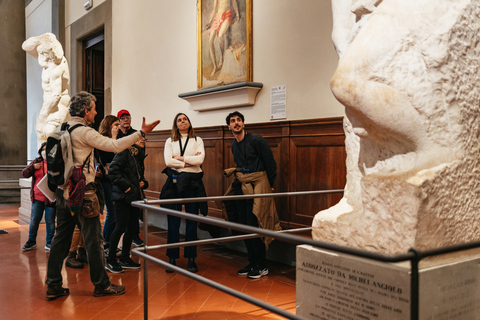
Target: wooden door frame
point(95, 20)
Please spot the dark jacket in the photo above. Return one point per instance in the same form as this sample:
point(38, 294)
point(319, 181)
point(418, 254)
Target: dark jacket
point(253, 154)
point(120, 133)
point(185, 180)
point(126, 171)
point(103, 160)
point(29, 171)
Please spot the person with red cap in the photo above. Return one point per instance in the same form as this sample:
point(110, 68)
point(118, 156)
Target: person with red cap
point(126, 130)
point(125, 123)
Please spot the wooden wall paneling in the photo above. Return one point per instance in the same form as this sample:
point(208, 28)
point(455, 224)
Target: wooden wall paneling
point(213, 166)
point(154, 165)
point(316, 163)
point(317, 127)
point(282, 184)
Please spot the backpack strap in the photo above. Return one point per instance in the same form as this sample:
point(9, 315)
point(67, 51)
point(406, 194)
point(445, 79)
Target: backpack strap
point(70, 131)
point(85, 162)
point(74, 127)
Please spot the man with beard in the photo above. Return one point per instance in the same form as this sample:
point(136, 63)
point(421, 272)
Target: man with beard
point(255, 173)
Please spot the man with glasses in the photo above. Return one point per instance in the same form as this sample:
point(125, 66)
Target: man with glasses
point(125, 130)
point(125, 123)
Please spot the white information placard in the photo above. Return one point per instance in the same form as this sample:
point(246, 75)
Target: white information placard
point(335, 286)
point(278, 102)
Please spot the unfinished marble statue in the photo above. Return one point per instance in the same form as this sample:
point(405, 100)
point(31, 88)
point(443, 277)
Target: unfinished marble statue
point(55, 82)
point(408, 76)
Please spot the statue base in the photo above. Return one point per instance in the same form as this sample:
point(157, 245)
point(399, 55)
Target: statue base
point(333, 286)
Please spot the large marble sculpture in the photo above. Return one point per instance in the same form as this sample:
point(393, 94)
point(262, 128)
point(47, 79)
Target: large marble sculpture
point(55, 82)
point(408, 76)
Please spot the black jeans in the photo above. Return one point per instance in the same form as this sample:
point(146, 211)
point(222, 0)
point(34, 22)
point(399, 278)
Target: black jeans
point(91, 231)
point(255, 247)
point(126, 217)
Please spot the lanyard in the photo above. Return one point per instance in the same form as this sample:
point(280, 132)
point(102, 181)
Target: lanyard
point(182, 150)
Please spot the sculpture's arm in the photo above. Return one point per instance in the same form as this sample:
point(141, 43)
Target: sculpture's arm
point(30, 45)
point(343, 22)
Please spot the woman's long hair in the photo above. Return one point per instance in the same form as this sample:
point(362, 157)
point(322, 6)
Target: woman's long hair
point(105, 128)
point(176, 135)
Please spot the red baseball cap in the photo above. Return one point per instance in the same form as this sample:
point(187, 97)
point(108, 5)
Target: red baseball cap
point(122, 112)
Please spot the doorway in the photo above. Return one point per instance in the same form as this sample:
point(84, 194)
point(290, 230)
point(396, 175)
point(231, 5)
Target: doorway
point(94, 72)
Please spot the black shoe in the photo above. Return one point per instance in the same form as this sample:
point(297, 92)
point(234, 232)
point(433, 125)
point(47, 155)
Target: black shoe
point(107, 252)
point(138, 242)
point(30, 245)
point(129, 264)
point(172, 262)
point(191, 265)
point(54, 292)
point(72, 261)
point(82, 255)
point(114, 267)
point(244, 271)
point(111, 290)
point(257, 272)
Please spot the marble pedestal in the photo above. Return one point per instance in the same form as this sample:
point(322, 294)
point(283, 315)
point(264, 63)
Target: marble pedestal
point(24, 212)
point(343, 287)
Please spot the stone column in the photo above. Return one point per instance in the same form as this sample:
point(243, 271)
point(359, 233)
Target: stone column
point(13, 103)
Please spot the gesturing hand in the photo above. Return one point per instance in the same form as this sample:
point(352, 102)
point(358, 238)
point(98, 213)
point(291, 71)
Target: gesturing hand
point(148, 127)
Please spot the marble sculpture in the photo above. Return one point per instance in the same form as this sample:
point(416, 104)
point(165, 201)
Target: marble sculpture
point(408, 76)
point(55, 83)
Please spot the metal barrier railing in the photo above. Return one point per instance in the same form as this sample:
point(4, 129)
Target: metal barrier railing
point(413, 255)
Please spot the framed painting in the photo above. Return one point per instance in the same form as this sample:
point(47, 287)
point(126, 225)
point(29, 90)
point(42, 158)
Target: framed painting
point(224, 29)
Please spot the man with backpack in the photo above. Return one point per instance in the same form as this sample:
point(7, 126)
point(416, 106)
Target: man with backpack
point(83, 140)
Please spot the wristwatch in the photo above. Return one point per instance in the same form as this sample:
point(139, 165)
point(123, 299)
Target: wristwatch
point(142, 133)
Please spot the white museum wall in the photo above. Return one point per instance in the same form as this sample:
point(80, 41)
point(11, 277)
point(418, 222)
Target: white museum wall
point(74, 9)
point(155, 59)
point(38, 20)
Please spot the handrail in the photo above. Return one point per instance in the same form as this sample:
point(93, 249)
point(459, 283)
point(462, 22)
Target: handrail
point(241, 197)
point(413, 255)
point(273, 234)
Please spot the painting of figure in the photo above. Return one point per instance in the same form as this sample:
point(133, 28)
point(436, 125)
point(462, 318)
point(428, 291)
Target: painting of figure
point(224, 42)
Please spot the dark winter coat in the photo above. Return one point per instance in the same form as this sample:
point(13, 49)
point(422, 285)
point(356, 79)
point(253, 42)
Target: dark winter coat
point(126, 171)
point(185, 180)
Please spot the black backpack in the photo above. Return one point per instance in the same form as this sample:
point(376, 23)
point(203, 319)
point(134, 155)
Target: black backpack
point(60, 156)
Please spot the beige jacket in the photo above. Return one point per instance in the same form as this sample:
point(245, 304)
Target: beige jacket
point(85, 139)
point(263, 208)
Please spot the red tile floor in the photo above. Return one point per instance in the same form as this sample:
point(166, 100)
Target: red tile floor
point(171, 295)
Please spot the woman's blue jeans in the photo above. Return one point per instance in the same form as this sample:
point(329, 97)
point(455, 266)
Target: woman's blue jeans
point(36, 216)
point(109, 224)
point(173, 235)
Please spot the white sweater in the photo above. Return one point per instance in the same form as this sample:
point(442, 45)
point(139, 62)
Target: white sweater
point(194, 146)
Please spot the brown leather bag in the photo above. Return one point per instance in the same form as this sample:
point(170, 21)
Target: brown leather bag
point(91, 206)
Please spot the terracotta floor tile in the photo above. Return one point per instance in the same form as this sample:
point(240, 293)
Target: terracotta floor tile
point(171, 296)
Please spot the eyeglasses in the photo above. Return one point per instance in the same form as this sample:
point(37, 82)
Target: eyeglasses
point(125, 118)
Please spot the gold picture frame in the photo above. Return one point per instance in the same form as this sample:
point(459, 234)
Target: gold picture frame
point(228, 22)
